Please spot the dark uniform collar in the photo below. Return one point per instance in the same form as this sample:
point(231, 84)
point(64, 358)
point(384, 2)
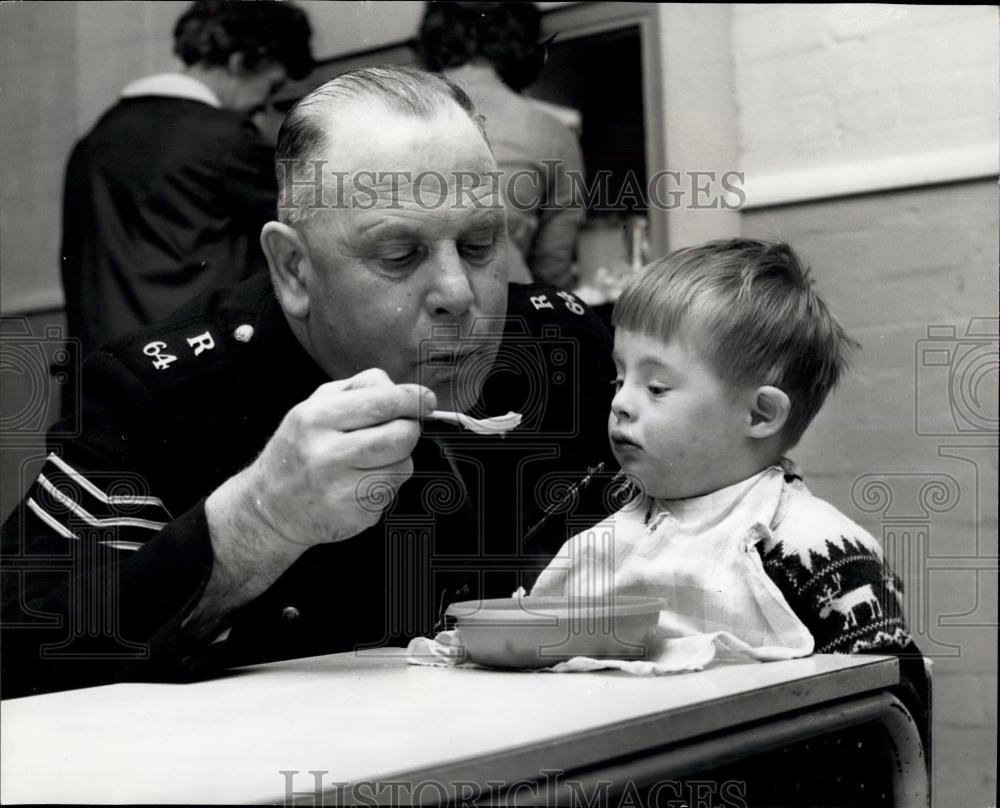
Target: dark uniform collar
point(281, 348)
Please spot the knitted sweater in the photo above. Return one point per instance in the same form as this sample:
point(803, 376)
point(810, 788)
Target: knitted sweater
point(832, 573)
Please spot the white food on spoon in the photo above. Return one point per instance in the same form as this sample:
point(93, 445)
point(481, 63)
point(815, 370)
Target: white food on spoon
point(497, 425)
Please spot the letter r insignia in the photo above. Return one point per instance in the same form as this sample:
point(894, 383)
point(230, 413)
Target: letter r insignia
point(201, 343)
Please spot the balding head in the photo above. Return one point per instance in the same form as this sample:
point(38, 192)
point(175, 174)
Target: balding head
point(318, 130)
point(392, 249)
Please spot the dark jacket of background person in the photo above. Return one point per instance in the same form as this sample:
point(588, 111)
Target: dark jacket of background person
point(164, 199)
point(491, 50)
point(166, 196)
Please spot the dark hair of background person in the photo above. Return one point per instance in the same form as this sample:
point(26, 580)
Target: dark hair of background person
point(504, 34)
point(211, 31)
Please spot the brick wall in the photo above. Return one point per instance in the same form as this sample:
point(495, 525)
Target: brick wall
point(839, 99)
point(892, 265)
point(841, 83)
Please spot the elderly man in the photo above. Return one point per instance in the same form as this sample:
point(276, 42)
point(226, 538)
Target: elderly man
point(258, 477)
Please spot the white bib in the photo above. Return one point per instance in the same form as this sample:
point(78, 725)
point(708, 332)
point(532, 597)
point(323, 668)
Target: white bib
point(700, 556)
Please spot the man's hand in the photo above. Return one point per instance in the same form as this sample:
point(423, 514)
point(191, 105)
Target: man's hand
point(324, 476)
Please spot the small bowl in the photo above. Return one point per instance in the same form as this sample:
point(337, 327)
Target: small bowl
point(536, 632)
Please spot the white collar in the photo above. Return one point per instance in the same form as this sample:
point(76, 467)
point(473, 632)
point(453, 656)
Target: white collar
point(172, 85)
point(707, 507)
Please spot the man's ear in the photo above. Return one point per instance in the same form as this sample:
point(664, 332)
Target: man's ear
point(291, 269)
point(769, 411)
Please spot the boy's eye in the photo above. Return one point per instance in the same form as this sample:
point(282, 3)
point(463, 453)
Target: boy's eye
point(616, 384)
point(657, 389)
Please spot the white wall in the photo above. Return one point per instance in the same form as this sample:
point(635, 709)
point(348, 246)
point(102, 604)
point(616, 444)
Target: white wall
point(345, 27)
point(61, 65)
point(858, 97)
point(834, 103)
point(700, 130)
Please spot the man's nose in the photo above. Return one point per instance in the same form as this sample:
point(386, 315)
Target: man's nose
point(451, 293)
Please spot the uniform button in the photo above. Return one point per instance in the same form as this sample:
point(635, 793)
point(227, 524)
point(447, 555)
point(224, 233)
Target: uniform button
point(290, 613)
point(243, 333)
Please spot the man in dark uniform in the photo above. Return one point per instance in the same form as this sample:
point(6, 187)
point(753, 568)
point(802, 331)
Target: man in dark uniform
point(258, 477)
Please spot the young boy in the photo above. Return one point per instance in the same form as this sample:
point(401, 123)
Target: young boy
point(725, 353)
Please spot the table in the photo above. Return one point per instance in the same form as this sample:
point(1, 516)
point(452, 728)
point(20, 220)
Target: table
point(257, 733)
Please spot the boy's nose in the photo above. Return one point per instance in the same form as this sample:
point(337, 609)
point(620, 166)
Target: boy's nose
point(620, 407)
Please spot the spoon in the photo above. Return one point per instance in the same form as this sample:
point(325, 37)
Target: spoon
point(497, 425)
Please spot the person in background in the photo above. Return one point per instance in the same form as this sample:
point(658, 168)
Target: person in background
point(491, 50)
point(166, 196)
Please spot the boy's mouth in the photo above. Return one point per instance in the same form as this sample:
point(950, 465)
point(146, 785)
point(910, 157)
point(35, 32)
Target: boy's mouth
point(622, 443)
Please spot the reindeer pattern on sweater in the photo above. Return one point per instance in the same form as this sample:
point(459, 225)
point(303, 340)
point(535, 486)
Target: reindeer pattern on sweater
point(833, 575)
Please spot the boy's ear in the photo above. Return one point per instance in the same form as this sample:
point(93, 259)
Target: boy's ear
point(291, 268)
point(769, 411)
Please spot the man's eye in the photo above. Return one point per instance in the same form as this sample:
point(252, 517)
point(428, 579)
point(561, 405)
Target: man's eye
point(400, 260)
point(477, 251)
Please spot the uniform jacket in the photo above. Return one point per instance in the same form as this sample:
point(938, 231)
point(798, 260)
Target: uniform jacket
point(164, 199)
point(109, 551)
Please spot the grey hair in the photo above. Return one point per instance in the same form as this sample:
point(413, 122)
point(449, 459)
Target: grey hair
point(303, 135)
